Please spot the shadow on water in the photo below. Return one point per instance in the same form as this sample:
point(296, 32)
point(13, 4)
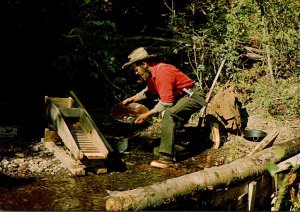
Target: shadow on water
point(82, 193)
point(9, 182)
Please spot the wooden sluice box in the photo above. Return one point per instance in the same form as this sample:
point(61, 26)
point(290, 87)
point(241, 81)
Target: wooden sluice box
point(86, 145)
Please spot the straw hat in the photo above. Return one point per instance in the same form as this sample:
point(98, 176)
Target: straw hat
point(138, 54)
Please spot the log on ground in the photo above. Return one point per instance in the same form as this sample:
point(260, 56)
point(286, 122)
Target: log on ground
point(166, 192)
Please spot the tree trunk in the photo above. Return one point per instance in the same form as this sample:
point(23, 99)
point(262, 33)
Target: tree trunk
point(268, 51)
point(168, 191)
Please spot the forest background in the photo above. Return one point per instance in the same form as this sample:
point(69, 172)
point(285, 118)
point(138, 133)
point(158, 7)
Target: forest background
point(51, 47)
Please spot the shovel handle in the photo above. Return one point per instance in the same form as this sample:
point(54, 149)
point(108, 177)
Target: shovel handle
point(202, 111)
point(214, 82)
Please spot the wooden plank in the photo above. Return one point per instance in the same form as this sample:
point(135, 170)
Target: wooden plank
point(96, 155)
point(93, 134)
point(85, 139)
point(59, 102)
point(88, 148)
point(70, 102)
point(268, 140)
point(82, 138)
point(71, 112)
point(94, 126)
point(251, 195)
point(290, 162)
point(101, 170)
point(63, 130)
point(75, 167)
point(68, 162)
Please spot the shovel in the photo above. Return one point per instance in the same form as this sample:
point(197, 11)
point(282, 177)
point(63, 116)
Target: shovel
point(207, 99)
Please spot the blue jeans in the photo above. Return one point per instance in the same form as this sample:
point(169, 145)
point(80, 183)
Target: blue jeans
point(180, 113)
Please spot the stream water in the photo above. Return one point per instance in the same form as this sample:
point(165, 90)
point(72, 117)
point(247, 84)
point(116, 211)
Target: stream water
point(79, 193)
point(65, 192)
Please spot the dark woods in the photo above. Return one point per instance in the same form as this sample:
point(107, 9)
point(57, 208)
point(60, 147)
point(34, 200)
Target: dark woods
point(52, 47)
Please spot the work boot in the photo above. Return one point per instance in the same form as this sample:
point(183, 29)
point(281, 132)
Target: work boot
point(216, 144)
point(215, 133)
point(164, 161)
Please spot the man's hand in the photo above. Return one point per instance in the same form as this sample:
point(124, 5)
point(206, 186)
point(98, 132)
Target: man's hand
point(130, 100)
point(141, 118)
point(127, 101)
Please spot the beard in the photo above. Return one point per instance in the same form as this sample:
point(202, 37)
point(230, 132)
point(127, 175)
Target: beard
point(144, 75)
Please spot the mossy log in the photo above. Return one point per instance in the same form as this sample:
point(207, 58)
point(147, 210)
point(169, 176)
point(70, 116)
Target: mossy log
point(166, 192)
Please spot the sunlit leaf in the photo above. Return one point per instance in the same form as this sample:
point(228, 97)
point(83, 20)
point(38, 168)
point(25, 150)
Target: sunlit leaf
point(271, 168)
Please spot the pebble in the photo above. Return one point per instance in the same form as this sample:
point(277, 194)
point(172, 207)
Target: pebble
point(40, 162)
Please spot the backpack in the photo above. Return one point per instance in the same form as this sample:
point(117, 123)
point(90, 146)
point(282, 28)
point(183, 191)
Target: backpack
point(225, 109)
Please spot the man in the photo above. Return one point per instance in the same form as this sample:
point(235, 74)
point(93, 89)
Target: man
point(169, 83)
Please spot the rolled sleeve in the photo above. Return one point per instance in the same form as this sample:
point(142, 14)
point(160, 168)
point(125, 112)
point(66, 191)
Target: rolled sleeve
point(142, 94)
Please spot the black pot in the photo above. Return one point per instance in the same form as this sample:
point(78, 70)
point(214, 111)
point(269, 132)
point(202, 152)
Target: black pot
point(254, 135)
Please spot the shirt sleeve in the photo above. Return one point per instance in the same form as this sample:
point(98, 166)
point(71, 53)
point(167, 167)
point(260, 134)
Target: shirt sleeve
point(142, 93)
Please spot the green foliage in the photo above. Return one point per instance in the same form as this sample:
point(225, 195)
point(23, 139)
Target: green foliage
point(271, 167)
point(195, 35)
point(279, 101)
point(284, 33)
point(228, 26)
point(279, 153)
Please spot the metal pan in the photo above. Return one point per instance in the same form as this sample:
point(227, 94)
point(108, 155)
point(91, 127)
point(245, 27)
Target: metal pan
point(127, 113)
point(254, 135)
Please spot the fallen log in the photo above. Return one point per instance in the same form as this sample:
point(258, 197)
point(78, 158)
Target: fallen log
point(168, 191)
point(291, 162)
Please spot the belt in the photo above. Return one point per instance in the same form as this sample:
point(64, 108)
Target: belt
point(193, 93)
